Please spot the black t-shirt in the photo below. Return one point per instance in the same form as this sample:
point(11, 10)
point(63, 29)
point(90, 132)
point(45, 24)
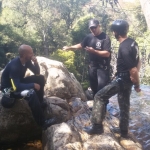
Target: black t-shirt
point(128, 55)
point(101, 42)
point(15, 71)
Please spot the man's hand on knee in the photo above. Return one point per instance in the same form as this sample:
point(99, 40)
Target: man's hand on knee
point(36, 86)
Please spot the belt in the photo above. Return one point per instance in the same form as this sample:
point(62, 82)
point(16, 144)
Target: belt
point(97, 64)
point(123, 74)
point(103, 67)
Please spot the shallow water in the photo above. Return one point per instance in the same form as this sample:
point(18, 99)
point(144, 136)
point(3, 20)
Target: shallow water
point(139, 114)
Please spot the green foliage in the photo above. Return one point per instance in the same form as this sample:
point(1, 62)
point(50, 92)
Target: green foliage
point(85, 85)
point(48, 25)
point(67, 58)
point(80, 29)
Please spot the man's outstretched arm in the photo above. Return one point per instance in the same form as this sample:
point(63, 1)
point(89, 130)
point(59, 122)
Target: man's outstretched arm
point(73, 47)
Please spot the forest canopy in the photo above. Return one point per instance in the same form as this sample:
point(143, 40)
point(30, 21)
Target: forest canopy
point(48, 25)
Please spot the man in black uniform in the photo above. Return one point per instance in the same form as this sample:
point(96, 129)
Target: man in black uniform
point(31, 87)
point(98, 46)
point(127, 75)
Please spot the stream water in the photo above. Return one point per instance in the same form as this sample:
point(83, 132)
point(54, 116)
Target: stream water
point(139, 114)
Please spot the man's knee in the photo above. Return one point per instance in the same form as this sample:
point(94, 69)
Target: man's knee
point(41, 79)
point(99, 96)
point(31, 95)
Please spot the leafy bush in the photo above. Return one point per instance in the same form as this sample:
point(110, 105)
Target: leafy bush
point(67, 58)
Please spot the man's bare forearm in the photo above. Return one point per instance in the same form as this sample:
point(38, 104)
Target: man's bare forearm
point(134, 75)
point(139, 65)
point(73, 47)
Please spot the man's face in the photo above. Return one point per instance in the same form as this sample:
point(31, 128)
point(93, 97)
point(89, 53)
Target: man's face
point(95, 30)
point(28, 55)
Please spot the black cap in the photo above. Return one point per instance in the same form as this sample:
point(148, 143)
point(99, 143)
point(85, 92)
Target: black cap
point(93, 23)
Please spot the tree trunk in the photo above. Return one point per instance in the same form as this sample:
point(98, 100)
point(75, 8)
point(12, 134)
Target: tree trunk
point(44, 44)
point(146, 7)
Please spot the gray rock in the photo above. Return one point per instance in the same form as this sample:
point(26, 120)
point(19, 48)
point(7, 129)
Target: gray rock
point(17, 123)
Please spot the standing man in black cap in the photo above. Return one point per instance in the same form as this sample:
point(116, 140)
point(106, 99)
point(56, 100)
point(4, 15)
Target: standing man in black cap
point(127, 75)
point(98, 46)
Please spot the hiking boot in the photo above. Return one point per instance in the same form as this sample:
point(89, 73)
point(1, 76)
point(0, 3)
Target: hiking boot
point(50, 122)
point(94, 129)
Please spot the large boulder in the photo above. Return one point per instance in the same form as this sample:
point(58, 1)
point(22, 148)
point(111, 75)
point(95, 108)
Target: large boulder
point(59, 81)
point(17, 123)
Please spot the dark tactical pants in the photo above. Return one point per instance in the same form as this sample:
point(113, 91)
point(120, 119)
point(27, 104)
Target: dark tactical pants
point(123, 89)
point(39, 80)
point(98, 78)
point(35, 106)
point(36, 97)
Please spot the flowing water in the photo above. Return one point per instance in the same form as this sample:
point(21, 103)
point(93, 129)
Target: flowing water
point(139, 114)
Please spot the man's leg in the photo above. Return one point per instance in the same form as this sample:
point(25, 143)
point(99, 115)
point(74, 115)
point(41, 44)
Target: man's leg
point(39, 80)
point(37, 112)
point(103, 79)
point(93, 79)
point(98, 112)
point(35, 106)
point(124, 104)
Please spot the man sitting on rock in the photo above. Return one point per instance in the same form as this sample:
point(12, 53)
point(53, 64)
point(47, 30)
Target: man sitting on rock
point(14, 85)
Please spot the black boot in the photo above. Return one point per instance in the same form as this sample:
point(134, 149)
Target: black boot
point(94, 129)
point(50, 122)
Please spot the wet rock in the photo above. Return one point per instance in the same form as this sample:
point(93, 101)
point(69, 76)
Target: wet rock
point(70, 135)
point(17, 123)
point(129, 144)
point(57, 107)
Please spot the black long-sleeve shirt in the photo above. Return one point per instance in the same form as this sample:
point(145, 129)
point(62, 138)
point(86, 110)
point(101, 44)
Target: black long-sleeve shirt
point(14, 72)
